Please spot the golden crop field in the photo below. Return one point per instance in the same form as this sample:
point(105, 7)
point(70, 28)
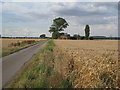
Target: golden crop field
point(6, 42)
point(95, 62)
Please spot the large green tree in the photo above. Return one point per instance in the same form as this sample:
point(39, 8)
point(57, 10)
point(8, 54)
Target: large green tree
point(87, 32)
point(59, 24)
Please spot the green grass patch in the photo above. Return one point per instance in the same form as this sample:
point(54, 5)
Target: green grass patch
point(40, 68)
point(66, 84)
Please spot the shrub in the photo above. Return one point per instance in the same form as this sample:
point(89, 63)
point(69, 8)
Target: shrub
point(91, 38)
point(82, 38)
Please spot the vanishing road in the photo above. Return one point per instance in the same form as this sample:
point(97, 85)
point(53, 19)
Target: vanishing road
point(11, 64)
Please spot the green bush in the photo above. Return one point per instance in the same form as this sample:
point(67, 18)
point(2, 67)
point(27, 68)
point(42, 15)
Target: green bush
point(91, 38)
point(82, 38)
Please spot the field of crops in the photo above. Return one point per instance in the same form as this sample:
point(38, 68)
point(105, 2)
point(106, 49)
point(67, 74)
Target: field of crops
point(94, 62)
point(6, 42)
point(10, 46)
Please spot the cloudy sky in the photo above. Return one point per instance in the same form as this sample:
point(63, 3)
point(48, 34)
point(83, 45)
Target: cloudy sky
point(35, 18)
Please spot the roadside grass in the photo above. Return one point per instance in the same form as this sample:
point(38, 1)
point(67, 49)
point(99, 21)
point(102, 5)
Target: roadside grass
point(66, 84)
point(13, 49)
point(40, 72)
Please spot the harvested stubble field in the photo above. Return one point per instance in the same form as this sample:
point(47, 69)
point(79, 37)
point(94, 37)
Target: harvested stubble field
point(6, 42)
point(10, 46)
point(92, 63)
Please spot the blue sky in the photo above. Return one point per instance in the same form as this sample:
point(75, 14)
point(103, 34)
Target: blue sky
point(35, 18)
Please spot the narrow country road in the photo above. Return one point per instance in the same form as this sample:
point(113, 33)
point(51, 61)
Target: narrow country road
point(11, 64)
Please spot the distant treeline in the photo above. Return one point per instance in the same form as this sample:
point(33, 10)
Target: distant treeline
point(24, 37)
point(104, 37)
point(91, 37)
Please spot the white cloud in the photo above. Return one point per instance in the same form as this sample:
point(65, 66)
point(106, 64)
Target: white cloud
point(105, 30)
point(14, 8)
point(60, 0)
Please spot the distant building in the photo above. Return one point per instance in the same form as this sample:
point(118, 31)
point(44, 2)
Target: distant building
point(65, 36)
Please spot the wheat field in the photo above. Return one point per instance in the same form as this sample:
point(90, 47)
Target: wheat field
point(95, 62)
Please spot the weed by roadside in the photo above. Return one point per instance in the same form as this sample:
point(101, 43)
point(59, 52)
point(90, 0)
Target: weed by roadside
point(66, 84)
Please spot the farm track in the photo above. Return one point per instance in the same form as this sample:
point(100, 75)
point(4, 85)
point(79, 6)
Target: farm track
point(11, 64)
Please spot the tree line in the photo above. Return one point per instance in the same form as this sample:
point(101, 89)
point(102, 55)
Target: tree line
point(60, 24)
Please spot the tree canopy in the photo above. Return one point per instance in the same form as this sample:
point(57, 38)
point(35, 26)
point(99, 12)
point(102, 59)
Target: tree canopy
point(59, 24)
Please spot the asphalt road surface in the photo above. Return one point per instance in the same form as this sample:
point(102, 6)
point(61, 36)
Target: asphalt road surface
point(11, 64)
